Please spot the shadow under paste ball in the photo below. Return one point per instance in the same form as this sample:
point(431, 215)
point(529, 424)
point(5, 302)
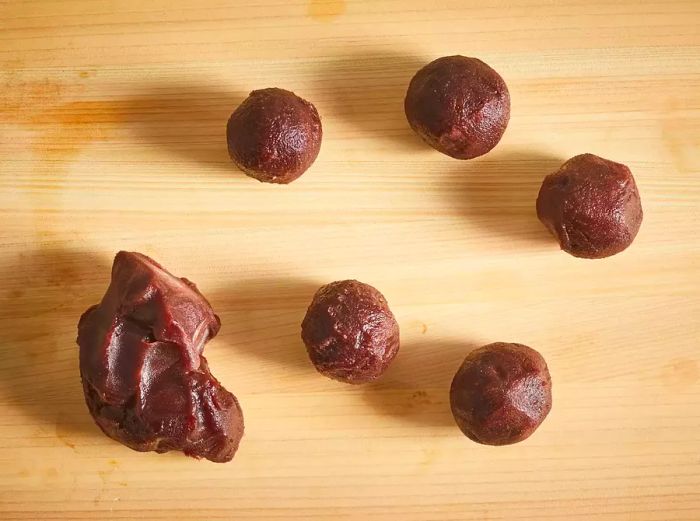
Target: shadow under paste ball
point(501, 393)
point(592, 206)
point(274, 136)
point(145, 380)
point(349, 332)
point(459, 106)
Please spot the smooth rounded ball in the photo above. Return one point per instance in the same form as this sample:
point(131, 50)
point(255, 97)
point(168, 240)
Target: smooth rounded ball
point(501, 393)
point(592, 206)
point(459, 106)
point(274, 136)
point(349, 332)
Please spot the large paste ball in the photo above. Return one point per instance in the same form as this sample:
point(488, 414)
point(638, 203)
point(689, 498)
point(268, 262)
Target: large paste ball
point(274, 136)
point(459, 106)
point(592, 206)
point(349, 332)
point(501, 393)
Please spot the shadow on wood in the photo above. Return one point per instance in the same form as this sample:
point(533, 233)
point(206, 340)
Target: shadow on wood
point(262, 318)
point(498, 193)
point(368, 89)
point(416, 387)
point(186, 120)
point(44, 294)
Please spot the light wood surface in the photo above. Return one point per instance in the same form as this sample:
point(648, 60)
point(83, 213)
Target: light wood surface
point(112, 117)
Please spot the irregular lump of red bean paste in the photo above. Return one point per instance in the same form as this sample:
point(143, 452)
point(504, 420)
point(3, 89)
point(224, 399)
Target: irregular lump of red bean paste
point(145, 380)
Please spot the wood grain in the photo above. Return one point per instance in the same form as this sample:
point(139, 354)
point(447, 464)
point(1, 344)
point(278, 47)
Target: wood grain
point(112, 117)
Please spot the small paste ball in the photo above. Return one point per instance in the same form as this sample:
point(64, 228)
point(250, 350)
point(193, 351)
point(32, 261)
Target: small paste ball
point(349, 332)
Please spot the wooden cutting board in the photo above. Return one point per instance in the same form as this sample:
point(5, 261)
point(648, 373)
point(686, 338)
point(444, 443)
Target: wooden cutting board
point(112, 118)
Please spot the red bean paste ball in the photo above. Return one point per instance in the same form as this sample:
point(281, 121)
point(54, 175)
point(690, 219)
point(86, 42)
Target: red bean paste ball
point(145, 380)
point(501, 393)
point(349, 332)
point(592, 206)
point(459, 106)
point(274, 136)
